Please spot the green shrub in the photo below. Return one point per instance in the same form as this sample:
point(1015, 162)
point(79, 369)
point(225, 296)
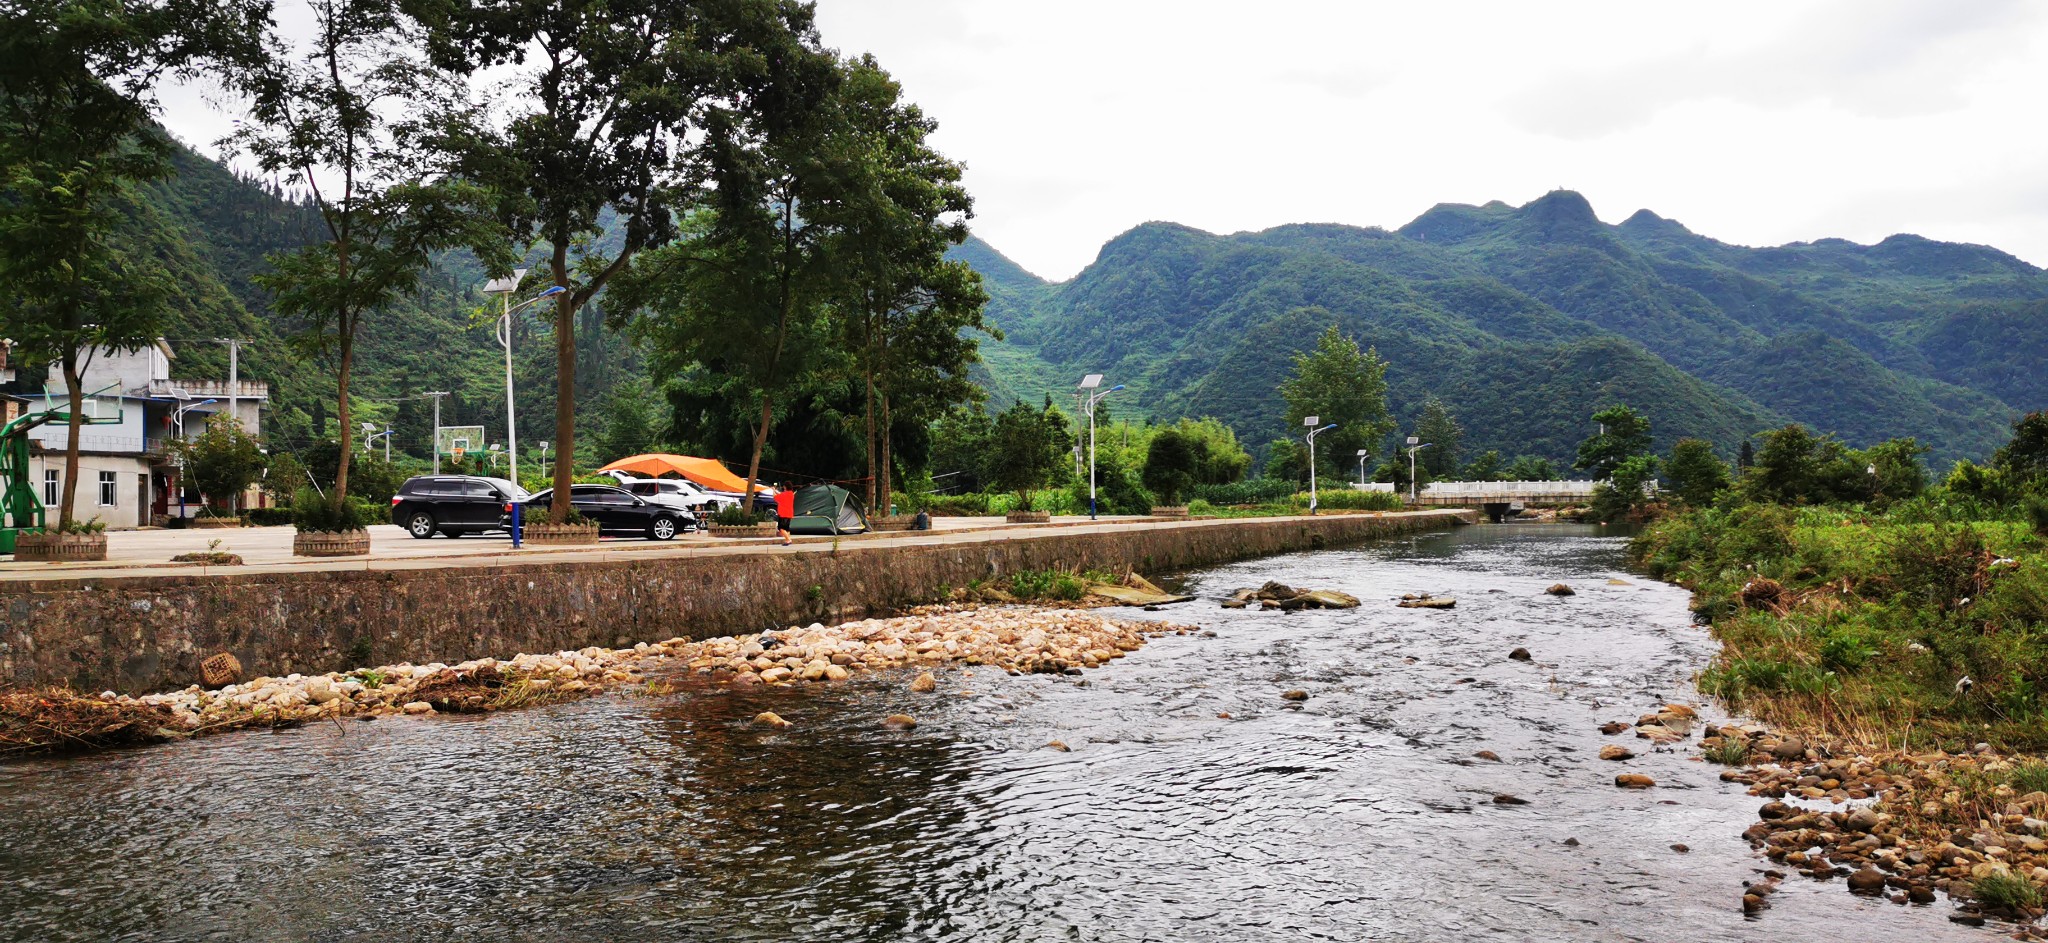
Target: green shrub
point(312, 513)
point(733, 516)
point(1846, 651)
point(93, 526)
point(1253, 491)
point(269, 517)
point(1349, 499)
point(2028, 776)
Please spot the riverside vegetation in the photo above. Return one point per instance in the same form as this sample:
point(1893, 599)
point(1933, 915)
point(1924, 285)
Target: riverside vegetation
point(1892, 628)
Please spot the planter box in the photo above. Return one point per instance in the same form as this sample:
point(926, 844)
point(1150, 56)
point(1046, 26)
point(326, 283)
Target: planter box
point(311, 543)
point(762, 529)
point(60, 548)
point(207, 523)
point(893, 522)
point(1177, 512)
point(1028, 517)
point(558, 534)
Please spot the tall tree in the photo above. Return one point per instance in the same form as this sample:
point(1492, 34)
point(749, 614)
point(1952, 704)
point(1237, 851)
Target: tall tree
point(609, 104)
point(911, 313)
point(1624, 434)
point(1339, 383)
point(77, 79)
point(1695, 472)
point(1439, 428)
point(322, 112)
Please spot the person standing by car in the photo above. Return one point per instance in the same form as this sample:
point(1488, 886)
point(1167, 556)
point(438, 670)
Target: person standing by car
point(785, 511)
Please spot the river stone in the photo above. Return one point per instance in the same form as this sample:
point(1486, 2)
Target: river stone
point(1520, 654)
point(1790, 748)
point(1559, 589)
point(1634, 781)
point(1615, 751)
point(319, 689)
point(771, 719)
point(1613, 727)
point(1296, 694)
point(899, 721)
point(1869, 880)
point(924, 683)
point(1487, 755)
point(1863, 820)
point(418, 707)
point(1060, 746)
point(776, 674)
point(1505, 799)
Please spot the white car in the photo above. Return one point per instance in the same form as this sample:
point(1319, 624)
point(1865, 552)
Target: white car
point(676, 492)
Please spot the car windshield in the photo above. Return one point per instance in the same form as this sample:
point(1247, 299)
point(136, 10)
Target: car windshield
point(508, 489)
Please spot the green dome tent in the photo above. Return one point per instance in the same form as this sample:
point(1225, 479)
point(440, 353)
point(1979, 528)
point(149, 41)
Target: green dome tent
point(828, 509)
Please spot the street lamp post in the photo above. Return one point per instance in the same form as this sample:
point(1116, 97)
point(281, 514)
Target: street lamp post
point(504, 288)
point(1362, 454)
point(1313, 431)
point(178, 419)
point(494, 458)
point(370, 435)
point(1090, 382)
point(543, 459)
point(1412, 449)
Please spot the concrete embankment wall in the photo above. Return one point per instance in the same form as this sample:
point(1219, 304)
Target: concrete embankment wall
point(144, 633)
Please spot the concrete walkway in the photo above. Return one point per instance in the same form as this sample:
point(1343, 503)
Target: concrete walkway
point(268, 549)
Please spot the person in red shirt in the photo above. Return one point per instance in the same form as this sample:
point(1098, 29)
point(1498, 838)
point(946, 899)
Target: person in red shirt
point(785, 511)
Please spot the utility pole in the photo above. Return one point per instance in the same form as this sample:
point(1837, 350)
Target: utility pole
point(234, 375)
point(436, 444)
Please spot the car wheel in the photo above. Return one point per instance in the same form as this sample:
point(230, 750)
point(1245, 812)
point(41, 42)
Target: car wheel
point(663, 528)
point(420, 525)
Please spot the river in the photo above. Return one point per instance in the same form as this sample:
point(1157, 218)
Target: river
point(1358, 814)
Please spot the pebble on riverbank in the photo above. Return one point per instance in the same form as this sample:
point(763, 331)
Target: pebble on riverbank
point(1015, 639)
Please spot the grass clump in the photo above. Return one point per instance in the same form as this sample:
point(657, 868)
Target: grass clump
point(1729, 752)
point(2007, 891)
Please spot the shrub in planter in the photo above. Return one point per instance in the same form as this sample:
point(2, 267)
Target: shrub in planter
point(74, 542)
point(269, 517)
point(325, 530)
point(736, 521)
point(1021, 516)
point(535, 528)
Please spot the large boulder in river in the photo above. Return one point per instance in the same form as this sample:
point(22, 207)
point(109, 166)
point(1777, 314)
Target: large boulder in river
point(1320, 599)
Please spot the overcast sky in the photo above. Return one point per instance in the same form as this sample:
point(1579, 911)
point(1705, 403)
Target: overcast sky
point(1752, 122)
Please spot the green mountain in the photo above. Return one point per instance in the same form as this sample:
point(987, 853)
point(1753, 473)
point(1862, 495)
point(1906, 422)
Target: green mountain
point(1527, 319)
point(1524, 319)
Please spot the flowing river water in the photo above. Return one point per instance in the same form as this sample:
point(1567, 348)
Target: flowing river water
point(1358, 814)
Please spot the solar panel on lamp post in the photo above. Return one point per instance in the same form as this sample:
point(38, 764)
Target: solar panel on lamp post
point(1313, 431)
point(1090, 382)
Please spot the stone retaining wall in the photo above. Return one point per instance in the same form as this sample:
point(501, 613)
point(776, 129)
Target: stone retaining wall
point(145, 633)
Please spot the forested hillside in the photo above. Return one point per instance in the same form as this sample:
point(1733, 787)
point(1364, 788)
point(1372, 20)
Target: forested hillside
point(1524, 320)
point(213, 230)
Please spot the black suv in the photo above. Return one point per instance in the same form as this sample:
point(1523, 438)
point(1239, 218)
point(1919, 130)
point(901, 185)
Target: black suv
point(454, 505)
point(617, 511)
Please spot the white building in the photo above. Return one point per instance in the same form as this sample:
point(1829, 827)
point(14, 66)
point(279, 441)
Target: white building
point(127, 475)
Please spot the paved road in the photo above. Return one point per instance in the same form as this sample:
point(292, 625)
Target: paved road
point(269, 549)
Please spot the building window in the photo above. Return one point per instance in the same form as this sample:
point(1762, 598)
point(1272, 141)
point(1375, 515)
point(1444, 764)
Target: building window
point(51, 485)
point(108, 487)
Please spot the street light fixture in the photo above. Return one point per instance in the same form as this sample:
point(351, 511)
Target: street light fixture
point(1090, 382)
point(543, 459)
point(370, 434)
point(178, 420)
point(504, 289)
point(1313, 431)
point(1362, 454)
point(494, 456)
point(1412, 449)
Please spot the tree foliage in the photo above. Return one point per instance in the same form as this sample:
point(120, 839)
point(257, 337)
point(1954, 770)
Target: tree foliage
point(1339, 383)
point(224, 461)
point(1439, 428)
point(1173, 462)
point(1027, 447)
point(1624, 434)
point(1696, 474)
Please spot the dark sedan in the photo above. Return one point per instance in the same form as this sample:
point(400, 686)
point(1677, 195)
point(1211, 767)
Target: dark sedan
point(617, 511)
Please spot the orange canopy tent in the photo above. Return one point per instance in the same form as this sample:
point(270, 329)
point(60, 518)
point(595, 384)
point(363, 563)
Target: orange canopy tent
point(708, 472)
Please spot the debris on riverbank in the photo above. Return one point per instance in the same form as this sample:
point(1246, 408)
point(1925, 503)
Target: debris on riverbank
point(1289, 599)
point(1023, 640)
point(1426, 601)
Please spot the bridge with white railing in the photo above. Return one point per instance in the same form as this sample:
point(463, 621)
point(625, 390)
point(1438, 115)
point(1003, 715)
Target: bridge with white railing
point(1497, 497)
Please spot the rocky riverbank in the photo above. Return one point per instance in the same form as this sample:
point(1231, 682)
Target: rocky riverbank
point(1903, 826)
point(1020, 640)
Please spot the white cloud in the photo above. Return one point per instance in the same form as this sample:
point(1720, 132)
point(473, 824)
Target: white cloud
point(1752, 122)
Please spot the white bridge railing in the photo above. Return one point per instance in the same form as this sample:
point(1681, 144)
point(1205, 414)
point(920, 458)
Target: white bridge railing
point(1509, 489)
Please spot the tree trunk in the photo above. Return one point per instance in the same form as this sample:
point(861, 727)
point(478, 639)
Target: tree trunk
point(760, 442)
point(888, 458)
point(341, 412)
point(74, 394)
point(565, 386)
point(872, 444)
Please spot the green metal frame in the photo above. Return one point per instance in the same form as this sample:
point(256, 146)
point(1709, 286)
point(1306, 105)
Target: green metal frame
point(21, 512)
